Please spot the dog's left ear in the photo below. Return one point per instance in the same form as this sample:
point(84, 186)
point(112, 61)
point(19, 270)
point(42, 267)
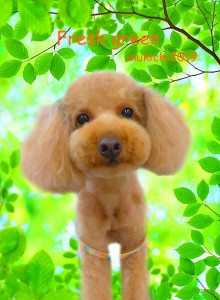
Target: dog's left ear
point(169, 134)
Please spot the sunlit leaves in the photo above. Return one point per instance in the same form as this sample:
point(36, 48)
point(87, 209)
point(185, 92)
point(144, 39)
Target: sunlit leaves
point(75, 13)
point(201, 221)
point(140, 75)
point(64, 294)
point(176, 39)
point(185, 195)
point(42, 63)
point(57, 68)
point(8, 239)
point(188, 292)
point(197, 237)
point(191, 209)
point(14, 159)
point(10, 68)
point(187, 265)
point(7, 31)
point(6, 10)
point(20, 31)
point(214, 147)
point(40, 272)
point(182, 279)
point(202, 190)
point(29, 73)
point(190, 250)
point(66, 53)
point(18, 249)
point(34, 13)
point(216, 128)
point(100, 62)
point(212, 278)
point(210, 164)
point(157, 71)
point(217, 245)
point(16, 49)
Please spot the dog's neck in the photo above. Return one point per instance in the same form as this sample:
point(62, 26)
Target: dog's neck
point(113, 189)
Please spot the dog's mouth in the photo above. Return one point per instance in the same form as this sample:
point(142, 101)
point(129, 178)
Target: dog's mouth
point(112, 162)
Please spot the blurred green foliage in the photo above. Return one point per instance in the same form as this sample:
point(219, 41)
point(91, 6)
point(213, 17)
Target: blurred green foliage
point(183, 258)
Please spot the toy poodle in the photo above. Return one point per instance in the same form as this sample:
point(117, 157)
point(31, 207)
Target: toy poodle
point(92, 142)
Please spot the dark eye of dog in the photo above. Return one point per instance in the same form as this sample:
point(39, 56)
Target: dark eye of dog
point(82, 119)
point(127, 113)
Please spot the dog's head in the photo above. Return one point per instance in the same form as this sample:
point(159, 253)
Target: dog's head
point(105, 126)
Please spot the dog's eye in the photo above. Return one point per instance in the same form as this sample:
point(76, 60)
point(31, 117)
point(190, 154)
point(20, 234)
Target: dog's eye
point(127, 113)
point(82, 119)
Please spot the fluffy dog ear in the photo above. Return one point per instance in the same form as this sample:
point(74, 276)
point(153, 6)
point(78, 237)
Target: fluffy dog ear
point(45, 157)
point(169, 134)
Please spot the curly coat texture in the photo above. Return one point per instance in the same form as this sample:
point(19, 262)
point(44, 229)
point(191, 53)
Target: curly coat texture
point(62, 156)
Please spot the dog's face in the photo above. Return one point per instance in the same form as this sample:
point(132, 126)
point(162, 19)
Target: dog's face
point(108, 118)
point(106, 125)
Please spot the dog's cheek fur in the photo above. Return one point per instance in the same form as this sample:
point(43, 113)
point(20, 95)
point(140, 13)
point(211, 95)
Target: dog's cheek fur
point(136, 145)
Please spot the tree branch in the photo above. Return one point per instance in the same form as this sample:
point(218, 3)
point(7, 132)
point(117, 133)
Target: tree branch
point(206, 289)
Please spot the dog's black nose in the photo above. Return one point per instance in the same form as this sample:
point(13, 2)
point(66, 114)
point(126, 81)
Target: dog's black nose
point(110, 147)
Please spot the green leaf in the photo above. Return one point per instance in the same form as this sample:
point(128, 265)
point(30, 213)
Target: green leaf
point(40, 272)
point(217, 245)
point(7, 31)
point(150, 50)
point(214, 147)
point(10, 68)
point(6, 10)
point(12, 197)
point(73, 244)
point(8, 239)
point(130, 52)
point(181, 279)
point(187, 265)
point(99, 62)
point(34, 14)
point(29, 73)
point(69, 255)
point(57, 67)
point(155, 271)
point(128, 31)
point(157, 32)
point(20, 31)
point(170, 270)
point(188, 292)
point(216, 128)
point(202, 190)
point(19, 250)
point(140, 75)
point(185, 195)
point(16, 48)
point(176, 39)
point(212, 278)
point(64, 294)
point(163, 87)
point(197, 237)
point(189, 45)
point(215, 179)
point(201, 221)
point(9, 207)
point(66, 53)
point(173, 15)
point(100, 49)
point(199, 267)
point(157, 71)
point(190, 250)
point(4, 167)
point(74, 13)
point(208, 295)
point(42, 63)
point(210, 164)
point(191, 209)
point(212, 261)
point(8, 183)
point(163, 291)
point(15, 158)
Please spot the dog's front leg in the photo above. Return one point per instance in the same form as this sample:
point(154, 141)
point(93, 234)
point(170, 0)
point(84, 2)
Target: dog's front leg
point(134, 278)
point(96, 278)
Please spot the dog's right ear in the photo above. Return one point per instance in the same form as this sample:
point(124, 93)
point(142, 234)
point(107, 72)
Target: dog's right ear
point(45, 156)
